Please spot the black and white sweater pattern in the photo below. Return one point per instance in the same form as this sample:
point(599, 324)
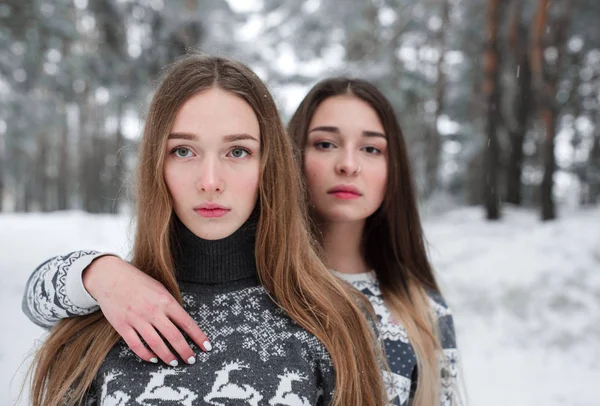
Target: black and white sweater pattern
point(259, 357)
point(55, 289)
point(401, 378)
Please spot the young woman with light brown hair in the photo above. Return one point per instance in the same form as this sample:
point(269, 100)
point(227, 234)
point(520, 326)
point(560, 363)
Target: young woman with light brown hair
point(221, 227)
point(365, 215)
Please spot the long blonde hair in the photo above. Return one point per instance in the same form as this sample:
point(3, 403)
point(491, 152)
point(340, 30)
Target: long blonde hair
point(288, 266)
point(393, 240)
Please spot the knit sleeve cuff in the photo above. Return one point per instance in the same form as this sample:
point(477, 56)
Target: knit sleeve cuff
point(74, 288)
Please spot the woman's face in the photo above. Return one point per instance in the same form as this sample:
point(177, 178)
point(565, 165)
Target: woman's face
point(212, 163)
point(345, 159)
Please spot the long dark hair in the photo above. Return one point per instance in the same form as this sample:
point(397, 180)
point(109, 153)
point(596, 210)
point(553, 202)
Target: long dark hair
point(393, 240)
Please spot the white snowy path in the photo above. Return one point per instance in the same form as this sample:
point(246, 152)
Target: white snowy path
point(526, 297)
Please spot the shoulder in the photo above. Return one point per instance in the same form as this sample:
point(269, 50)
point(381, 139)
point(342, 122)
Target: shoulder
point(438, 304)
point(366, 282)
point(443, 314)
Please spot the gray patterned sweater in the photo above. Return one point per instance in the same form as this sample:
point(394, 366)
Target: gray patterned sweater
point(400, 354)
point(259, 356)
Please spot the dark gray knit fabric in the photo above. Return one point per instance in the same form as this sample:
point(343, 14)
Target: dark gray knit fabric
point(259, 356)
point(215, 263)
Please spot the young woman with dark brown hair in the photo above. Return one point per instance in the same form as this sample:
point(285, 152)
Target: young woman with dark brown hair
point(365, 215)
point(221, 227)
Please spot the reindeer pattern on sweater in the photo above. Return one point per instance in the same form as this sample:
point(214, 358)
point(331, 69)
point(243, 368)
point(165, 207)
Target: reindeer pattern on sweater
point(259, 357)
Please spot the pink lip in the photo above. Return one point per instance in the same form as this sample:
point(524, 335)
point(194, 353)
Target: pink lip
point(345, 192)
point(211, 210)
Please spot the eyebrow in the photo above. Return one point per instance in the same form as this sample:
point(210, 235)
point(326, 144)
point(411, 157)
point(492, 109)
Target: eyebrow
point(228, 138)
point(239, 137)
point(336, 130)
point(182, 136)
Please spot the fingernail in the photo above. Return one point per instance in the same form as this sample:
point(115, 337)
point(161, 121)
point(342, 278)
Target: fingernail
point(191, 360)
point(153, 360)
point(207, 346)
point(174, 363)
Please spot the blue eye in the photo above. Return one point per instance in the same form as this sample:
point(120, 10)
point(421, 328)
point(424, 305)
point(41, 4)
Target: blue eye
point(182, 152)
point(239, 152)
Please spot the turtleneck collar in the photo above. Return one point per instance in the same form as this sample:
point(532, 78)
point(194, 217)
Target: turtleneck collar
point(211, 262)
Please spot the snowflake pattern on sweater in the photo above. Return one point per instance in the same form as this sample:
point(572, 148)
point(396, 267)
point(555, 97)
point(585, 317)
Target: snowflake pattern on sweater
point(400, 354)
point(259, 357)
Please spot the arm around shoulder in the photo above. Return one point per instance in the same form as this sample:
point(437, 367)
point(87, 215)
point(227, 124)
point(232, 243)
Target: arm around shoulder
point(55, 289)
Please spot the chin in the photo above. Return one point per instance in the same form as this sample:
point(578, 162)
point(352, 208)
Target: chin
point(213, 233)
point(343, 216)
point(212, 236)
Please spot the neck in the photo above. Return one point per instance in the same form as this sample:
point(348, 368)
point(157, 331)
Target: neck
point(342, 243)
point(212, 262)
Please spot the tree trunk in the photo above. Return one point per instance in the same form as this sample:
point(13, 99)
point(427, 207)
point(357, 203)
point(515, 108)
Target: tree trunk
point(119, 161)
point(41, 181)
point(433, 142)
point(20, 180)
point(83, 155)
point(97, 158)
point(491, 91)
point(62, 182)
point(547, 77)
point(475, 179)
point(65, 179)
point(575, 101)
point(593, 167)
point(28, 187)
point(546, 189)
point(2, 170)
point(87, 150)
point(523, 106)
point(432, 157)
point(190, 35)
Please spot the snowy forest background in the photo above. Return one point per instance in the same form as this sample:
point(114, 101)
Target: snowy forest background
point(499, 101)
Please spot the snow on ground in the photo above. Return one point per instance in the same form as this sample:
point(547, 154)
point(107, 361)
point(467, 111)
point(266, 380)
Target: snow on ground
point(525, 294)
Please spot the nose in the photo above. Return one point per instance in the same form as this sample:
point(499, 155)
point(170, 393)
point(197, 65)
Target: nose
point(347, 164)
point(210, 179)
